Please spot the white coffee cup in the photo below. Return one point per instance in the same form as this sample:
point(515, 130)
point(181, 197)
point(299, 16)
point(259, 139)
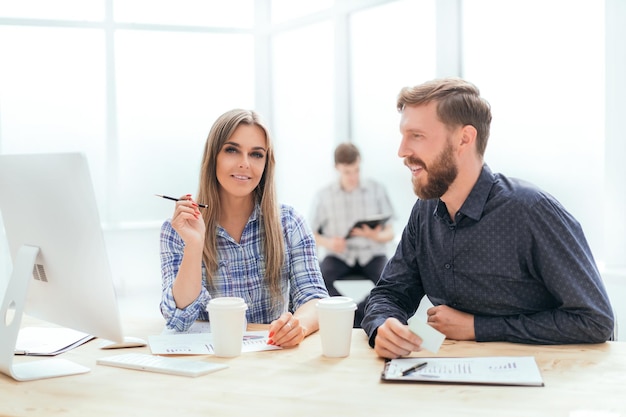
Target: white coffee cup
point(227, 316)
point(336, 319)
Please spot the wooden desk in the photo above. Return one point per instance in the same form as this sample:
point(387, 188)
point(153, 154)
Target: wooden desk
point(301, 382)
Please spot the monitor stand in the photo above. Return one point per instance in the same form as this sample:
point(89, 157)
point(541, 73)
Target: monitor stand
point(10, 321)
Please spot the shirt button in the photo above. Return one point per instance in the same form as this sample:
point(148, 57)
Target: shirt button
point(448, 266)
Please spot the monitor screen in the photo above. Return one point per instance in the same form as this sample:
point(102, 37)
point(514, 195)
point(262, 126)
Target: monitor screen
point(47, 202)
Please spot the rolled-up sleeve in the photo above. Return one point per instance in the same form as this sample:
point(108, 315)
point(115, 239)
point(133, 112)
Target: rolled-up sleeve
point(172, 247)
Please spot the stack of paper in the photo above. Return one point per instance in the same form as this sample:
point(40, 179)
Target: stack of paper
point(48, 341)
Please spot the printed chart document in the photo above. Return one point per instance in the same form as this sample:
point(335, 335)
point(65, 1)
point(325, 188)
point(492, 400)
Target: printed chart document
point(199, 341)
point(491, 370)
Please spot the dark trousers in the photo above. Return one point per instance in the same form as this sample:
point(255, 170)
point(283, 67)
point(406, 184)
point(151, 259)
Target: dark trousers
point(334, 269)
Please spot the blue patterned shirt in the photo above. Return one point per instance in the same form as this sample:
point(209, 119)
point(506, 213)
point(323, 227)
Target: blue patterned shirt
point(241, 271)
point(513, 257)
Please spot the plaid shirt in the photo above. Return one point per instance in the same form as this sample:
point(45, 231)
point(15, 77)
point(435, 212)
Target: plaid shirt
point(335, 211)
point(241, 271)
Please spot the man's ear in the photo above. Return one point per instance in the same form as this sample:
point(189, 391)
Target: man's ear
point(468, 137)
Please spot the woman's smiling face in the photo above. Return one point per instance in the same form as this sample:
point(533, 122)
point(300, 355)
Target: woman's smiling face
point(241, 161)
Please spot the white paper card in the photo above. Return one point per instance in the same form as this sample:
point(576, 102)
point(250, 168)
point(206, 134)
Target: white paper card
point(431, 338)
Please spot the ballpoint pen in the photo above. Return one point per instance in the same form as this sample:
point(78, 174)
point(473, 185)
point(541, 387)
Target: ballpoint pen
point(414, 368)
point(178, 199)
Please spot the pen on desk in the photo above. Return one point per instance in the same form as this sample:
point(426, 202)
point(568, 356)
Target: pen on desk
point(414, 368)
point(178, 199)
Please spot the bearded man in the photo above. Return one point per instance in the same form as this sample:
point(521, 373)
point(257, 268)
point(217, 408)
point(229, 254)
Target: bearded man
point(499, 259)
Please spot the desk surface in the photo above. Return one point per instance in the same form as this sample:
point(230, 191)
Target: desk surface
point(301, 382)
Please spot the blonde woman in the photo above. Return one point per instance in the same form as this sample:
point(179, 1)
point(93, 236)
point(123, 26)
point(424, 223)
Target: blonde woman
point(243, 243)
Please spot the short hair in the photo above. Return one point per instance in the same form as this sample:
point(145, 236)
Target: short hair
point(346, 153)
point(458, 104)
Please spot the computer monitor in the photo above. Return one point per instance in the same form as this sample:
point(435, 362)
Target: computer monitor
point(61, 272)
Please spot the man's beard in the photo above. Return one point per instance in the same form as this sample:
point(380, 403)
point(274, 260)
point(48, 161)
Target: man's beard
point(440, 174)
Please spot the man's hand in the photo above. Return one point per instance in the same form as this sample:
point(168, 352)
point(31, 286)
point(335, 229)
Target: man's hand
point(453, 323)
point(394, 339)
point(367, 232)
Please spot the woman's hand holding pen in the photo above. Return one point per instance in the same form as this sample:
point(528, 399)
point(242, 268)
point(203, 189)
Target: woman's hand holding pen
point(286, 331)
point(187, 221)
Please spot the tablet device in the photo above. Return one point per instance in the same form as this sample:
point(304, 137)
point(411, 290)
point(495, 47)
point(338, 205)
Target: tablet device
point(372, 222)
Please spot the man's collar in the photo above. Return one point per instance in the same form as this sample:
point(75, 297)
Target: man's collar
point(474, 204)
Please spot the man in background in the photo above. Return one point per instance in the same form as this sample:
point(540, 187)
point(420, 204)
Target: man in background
point(360, 251)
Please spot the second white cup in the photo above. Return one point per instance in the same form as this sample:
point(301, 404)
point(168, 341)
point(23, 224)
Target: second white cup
point(227, 316)
point(336, 319)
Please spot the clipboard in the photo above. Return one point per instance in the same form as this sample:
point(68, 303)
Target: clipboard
point(371, 221)
point(490, 370)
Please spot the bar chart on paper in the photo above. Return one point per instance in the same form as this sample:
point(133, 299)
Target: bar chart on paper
point(494, 370)
point(202, 343)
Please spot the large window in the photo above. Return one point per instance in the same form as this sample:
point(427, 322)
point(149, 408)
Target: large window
point(170, 89)
point(303, 111)
point(53, 94)
point(400, 52)
point(338, 82)
point(136, 85)
point(201, 13)
point(136, 89)
point(544, 78)
point(133, 84)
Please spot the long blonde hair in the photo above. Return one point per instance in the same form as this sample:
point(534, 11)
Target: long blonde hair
point(265, 194)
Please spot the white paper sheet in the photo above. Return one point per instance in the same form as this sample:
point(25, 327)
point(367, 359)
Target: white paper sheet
point(431, 338)
point(48, 341)
point(494, 370)
point(196, 343)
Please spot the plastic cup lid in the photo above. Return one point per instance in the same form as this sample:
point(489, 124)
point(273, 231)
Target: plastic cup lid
point(336, 303)
point(228, 302)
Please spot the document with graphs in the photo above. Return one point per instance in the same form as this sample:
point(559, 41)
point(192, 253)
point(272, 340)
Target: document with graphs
point(198, 343)
point(491, 370)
